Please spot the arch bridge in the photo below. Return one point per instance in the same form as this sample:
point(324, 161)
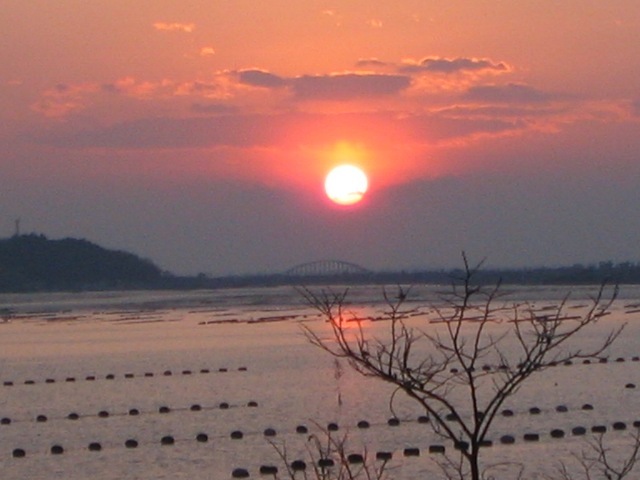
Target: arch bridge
point(326, 268)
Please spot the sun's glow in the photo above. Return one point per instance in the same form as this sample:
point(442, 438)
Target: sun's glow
point(346, 185)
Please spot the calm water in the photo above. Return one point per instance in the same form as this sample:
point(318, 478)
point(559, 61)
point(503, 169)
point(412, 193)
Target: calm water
point(237, 361)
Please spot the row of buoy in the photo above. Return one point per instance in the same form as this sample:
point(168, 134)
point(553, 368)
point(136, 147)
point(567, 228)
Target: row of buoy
point(133, 412)
point(499, 368)
point(555, 433)
point(112, 376)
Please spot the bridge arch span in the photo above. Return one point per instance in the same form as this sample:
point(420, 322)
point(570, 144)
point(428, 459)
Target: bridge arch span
point(326, 268)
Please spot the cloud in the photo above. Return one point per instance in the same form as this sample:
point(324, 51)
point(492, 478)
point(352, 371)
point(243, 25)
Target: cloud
point(510, 93)
point(635, 107)
point(371, 62)
point(174, 27)
point(63, 99)
point(454, 65)
point(348, 86)
point(212, 108)
point(206, 51)
point(261, 78)
point(375, 23)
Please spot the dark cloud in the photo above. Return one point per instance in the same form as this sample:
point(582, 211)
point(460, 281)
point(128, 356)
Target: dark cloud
point(510, 93)
point(246, 131)
point(348, 86)
point(454, 65)
point(371, 62)
point(212, 108)
point(260, 78)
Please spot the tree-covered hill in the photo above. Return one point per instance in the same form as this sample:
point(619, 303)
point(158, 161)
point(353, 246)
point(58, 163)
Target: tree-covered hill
point(35, 263)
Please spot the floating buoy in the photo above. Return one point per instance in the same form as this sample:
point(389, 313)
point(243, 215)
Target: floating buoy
point(204, 370)
point(486, 368)
point(110, 376)
point(578, 431)
point(568, 362)
point(587, 406)
point(507, 439)
point(384, 456)
point(393, 422)
point(41, 418)
point(586, 362)
point(8, 384)
point(436, 449)
point(57, 450)
point(73, 416)
point(452, 417)
point(90, 378)
point(164, 409)
point(562, 409)
point(131, 443)
point(454, 370)
point(242, 369)
point(237, 434)
point(298, 466)
point(5, 421)
point(411, 452)
point(252, 404)
point(534, 411)
point(461, 445)
point(557, 433)
point(355, 458)
point(486, 443)
point(95, 447)
point(599, 429)
point(531, 437)
point(18, 453)
point(423, 419)
point(70, 379)
point(636, 423)
point(240, 473)
point(167, 440)
point(50, 380)
point(223, 370)
point(268, 470)
point(134, 411)
point(103, 414)
point(202, 437)
point(333, 427)
point(129, 375)
point(223, 405)
point(269, 432)
point(148, 374)
point(29, 382)
point(195, 407)
point(603, 360)
point(167, 373)
point(619, 426)
point(326, 463)
point(635, 359)
point(630, 385)
point(186, 372)
point(620, 359)
point(363, 424)
point(302, 429)
point(507, 413)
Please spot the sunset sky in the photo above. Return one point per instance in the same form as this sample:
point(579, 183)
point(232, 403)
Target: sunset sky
point(198, 133)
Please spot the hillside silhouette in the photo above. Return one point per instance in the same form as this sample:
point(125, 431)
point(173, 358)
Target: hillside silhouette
point(35, 263)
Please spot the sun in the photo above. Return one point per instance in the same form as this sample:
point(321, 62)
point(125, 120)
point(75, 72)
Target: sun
point(346, 185)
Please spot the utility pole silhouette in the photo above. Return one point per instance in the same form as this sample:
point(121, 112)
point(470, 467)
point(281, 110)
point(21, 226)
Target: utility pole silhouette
point(17, 232)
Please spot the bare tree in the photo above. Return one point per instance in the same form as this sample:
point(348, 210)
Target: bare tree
point(446, 368)
point(329, 460)
point(598, 461)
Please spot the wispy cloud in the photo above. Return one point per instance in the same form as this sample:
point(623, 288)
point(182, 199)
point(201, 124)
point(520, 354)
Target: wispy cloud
point(261, 78)
point(348, 86)
point(453, 65)
point(510, 93)
point(174, 27)
point(206, 51)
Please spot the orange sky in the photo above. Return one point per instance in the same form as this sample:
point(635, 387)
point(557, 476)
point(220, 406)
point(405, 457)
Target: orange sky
point(153, 99)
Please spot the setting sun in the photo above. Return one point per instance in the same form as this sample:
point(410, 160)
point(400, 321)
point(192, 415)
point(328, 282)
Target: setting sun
point(346, 185)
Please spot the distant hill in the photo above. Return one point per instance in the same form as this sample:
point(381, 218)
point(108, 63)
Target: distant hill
point(35, 263)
